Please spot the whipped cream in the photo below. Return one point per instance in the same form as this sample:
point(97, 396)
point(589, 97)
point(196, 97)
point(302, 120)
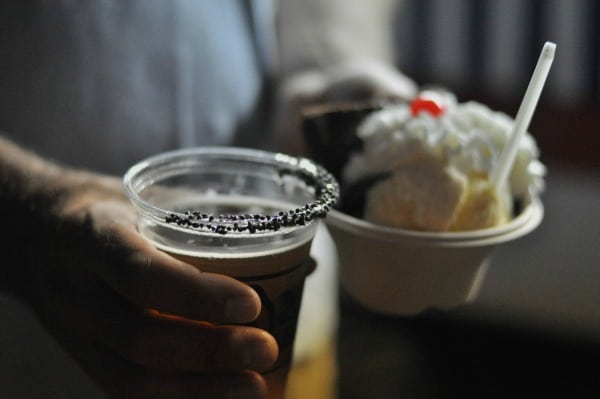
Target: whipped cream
point(466, 137)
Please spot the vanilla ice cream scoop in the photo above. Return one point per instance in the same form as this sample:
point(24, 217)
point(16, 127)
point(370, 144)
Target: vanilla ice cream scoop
point(437, 155)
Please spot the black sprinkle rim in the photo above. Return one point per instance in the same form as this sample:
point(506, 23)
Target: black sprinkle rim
point(327, 194)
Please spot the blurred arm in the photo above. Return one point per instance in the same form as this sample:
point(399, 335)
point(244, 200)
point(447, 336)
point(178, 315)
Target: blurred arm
point(33, 191)
point(331, 51)
point(26, 185)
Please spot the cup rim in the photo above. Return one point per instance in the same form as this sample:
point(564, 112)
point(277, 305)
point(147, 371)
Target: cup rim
point(170, 160)
point(524, 223)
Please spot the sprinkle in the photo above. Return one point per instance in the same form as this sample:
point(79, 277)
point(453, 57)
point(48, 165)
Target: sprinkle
point(326, 191)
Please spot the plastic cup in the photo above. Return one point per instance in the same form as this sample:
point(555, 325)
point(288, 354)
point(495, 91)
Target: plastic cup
point(248, 214)
point(403, 272)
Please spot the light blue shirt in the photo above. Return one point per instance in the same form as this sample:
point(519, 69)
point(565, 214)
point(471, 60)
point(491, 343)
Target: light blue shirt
point(102, 84)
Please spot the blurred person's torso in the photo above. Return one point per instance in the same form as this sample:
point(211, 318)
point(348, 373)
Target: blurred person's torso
point(101, 84)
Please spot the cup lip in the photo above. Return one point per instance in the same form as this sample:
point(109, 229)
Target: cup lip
point(182, 156)
point(524, 223)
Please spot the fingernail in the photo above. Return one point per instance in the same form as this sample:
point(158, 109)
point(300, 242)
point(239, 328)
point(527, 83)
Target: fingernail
point(240, 309)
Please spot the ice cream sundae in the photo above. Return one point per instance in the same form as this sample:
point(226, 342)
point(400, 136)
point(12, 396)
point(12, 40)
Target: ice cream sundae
point(425, 165)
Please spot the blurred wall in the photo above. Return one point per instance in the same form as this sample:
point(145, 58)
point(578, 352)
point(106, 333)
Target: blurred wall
point(486, 50)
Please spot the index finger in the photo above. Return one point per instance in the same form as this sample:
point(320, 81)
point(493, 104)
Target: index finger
point(141, 273)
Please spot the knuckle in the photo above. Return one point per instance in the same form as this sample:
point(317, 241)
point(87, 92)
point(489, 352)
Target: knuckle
point(133, 274)
point(217, 350)
point(226, 349)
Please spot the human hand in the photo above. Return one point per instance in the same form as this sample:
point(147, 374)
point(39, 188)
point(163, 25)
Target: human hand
point(362, 81)
point(141, 323)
